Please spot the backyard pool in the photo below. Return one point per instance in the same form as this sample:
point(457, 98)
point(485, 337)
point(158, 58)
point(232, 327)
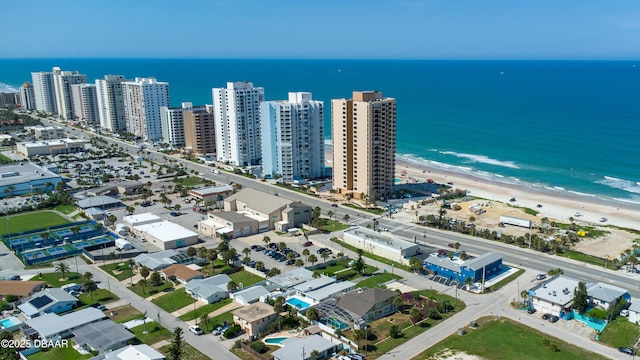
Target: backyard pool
point(9, 322)
point(275, 340)
point(298, 303)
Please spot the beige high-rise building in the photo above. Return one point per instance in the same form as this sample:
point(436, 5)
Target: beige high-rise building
point(364, 145)
point(199, 130)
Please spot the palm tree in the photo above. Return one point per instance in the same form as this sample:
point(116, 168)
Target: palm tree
point(266, 240)
point(324, 256)
point(90, 286)
point(232, 286)
point(330, 214)
point(312, 259)
point(346, 218)
point(299, 263)
point(359, 335)
point(87, 276)
point(156, 279)
point(306, 253)
point(130, 209)
point(246, 251)
point(204, 319)
point(144, 272)
point(259, 265)
point(142, 283)
point(62, 268)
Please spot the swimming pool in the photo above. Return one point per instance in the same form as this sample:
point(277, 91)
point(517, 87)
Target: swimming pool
point(275, 340)
point(298, 303)
point(8, 322)
point(337, 323)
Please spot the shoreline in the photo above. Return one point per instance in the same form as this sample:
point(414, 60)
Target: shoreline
point(556, 204)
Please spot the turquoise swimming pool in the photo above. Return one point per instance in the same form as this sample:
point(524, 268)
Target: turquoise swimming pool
point(275, 340)
point(298, 303)
point(7, 323)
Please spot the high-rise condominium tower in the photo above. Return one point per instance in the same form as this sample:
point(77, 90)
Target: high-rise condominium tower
point(237, 123)
point(364, 145)
point(62, 81)
point(172, 122)
point(199, 130)
point(44, 92)
point(27, 96)
point(111, 103)
point(142, 101)
point(293, 137)
point(85, 103)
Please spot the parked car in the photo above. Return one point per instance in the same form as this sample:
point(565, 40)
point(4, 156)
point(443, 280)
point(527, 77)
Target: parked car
point(290, 262)
point(334, 205)
point(545, 316)
point(451, 245)
point(553, 318)
point(217, 331)
point(196, 330)
point(256, 248)
point(627, 350)
point(307, 244)
point(272, 246)
point(624, 312)
point(174, 214)
point(531, 310)
point(541, 277)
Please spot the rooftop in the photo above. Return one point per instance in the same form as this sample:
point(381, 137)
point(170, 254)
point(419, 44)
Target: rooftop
point(19, 288)
point(102, 335)
point(166, 231)
point(252, 293)
point(379, 239)
point(292, 278)
point(211, 190)
point(97, 201)
point(557, 290)
point(44, 299)
point(360, 302)
point(52, 142)
point(134, 352)
point(25, 171)
point(232, 216)
point(138, 218)
point(181, 271)
point(605, 292)
point(483, 260)
point(329, 290)
point(160, 259)
point(259, 200)
point(301, 348)
point(208, 286)
point(49, 324)
point(254, 312)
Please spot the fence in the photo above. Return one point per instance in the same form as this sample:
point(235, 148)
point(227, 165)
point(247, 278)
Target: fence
point(246, 348)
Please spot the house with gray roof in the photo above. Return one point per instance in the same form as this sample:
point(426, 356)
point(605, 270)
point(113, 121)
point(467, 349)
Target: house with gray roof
point(249, 295)
point(554, 296)
point(634, 312)
point(132, 352)
point(291, 278)
point(50, 326)
point(606, 296)
point(162, 259)
point(209, 290)
point(101, 202)
point(368, 304)
point(295, 348)
point(261, 212)
point(49, 300)
point(102, 336)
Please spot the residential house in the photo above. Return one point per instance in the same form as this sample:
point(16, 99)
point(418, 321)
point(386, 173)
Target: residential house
point(132, 352)
point(254, 318)
point(51, 326)
point(634, 312)
point(162, 259)
point(209, 290)
point(606, 296)
point(249, 295)
point(368, 304)
point(49, 300)
point(295, 348)
point(554, 296)
point(102, 336)
point(181, 273)
point(21, 289)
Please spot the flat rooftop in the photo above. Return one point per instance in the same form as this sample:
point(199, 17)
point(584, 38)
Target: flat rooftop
point(557, 290)
point(138, 218)
point(379, 239)
point(25, 171)
point(166, 231)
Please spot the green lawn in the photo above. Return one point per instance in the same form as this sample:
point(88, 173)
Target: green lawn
point(65, 209)
point(5, 160)
point(150, 289)
point(372, 256)
point(54, 278)
point(245, 278)
point(189, 352)
point(32, 221)
point(620, 332)
point(101, 295)
point(505, 340)
point(66, 353)
point(585, 258)
point(154, 333)
point(206, 309)
point(216, 321)
point(174, 300)
point(333, 225)
point(126, 271)
point(189, 181)
point(375, 280)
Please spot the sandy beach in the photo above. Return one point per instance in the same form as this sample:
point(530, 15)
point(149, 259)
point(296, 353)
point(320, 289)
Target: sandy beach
point(556, 205)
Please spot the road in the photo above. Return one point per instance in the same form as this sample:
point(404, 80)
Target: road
point(477, 305)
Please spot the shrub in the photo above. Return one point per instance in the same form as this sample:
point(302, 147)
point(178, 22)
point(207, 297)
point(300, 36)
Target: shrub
point(258, 346)
point(394, 332)
point(233, 331)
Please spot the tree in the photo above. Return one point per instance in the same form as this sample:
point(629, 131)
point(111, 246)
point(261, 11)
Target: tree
point(112, 256)
point(299, 263)
point(415, 315)
point(597, 313)
point(143, 283)
point(554, 272)
point(415, 263)
point(359, 265)
point(266, 240)
point(456, 245)
point(394, 332)
point(312, 259)
point(274, 272)
point(330, 214)
point(398, 302)
point(202, 252)
point(155, 279)
point(312, 314)
point(259, 265)
point(144, 272)
point(204, 320)
point(229, 255)
point(306, 253)
point(232, 286)
point(90, 286)
point(346, 218)
point(130, 209)
point(246, 251)
point(282, 245)
point(580, 298)
point(87, 276)
point(315, 354)
point(191, 251)
point(176, 350)
point(212, 255)
point(324, 256)
point(468, 281)
point(359, 335)
point(62, 268)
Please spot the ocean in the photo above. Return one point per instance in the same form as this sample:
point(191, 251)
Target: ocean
point(561, 126)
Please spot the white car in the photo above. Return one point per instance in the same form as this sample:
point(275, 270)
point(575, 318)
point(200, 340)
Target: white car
point(624, 312)
point(196, 330)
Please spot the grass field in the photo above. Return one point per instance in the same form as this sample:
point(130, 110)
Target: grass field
point(99, 296)
point(66, 209)
point(150, 289)
point(32, 221)
point(66, 353)
point(209, 308)
point(333, 225)
point(505, 340)
point(375, 280)
point(188, 352)
point(5, 160)
point(245, 278)
point(585, 258)
point(620, 332)
point(174, 300)
point(54, 278)
point(154, 333)
point(125, 313)
point(125, 274)
point(216, 321)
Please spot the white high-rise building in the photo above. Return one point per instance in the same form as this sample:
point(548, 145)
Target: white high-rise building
point(62, 81)
point(293, 137)
point(111, 103)
point(44, 92)
point(143, 98)
point(172, 121)
point(85, 103)
point(237, 123)
point(27, 96)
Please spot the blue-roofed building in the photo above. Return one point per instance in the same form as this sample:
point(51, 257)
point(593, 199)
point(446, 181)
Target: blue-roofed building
point(486, 265)
point(50, 300)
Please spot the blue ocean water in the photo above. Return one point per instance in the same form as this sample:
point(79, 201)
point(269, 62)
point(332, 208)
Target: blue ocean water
point(566, 126)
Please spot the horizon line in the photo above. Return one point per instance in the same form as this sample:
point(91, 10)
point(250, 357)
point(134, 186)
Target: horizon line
point(324, 59)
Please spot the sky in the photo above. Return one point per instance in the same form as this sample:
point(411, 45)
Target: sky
point(322, 29)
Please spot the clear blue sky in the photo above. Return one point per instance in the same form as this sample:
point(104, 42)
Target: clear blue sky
point(344, 29)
